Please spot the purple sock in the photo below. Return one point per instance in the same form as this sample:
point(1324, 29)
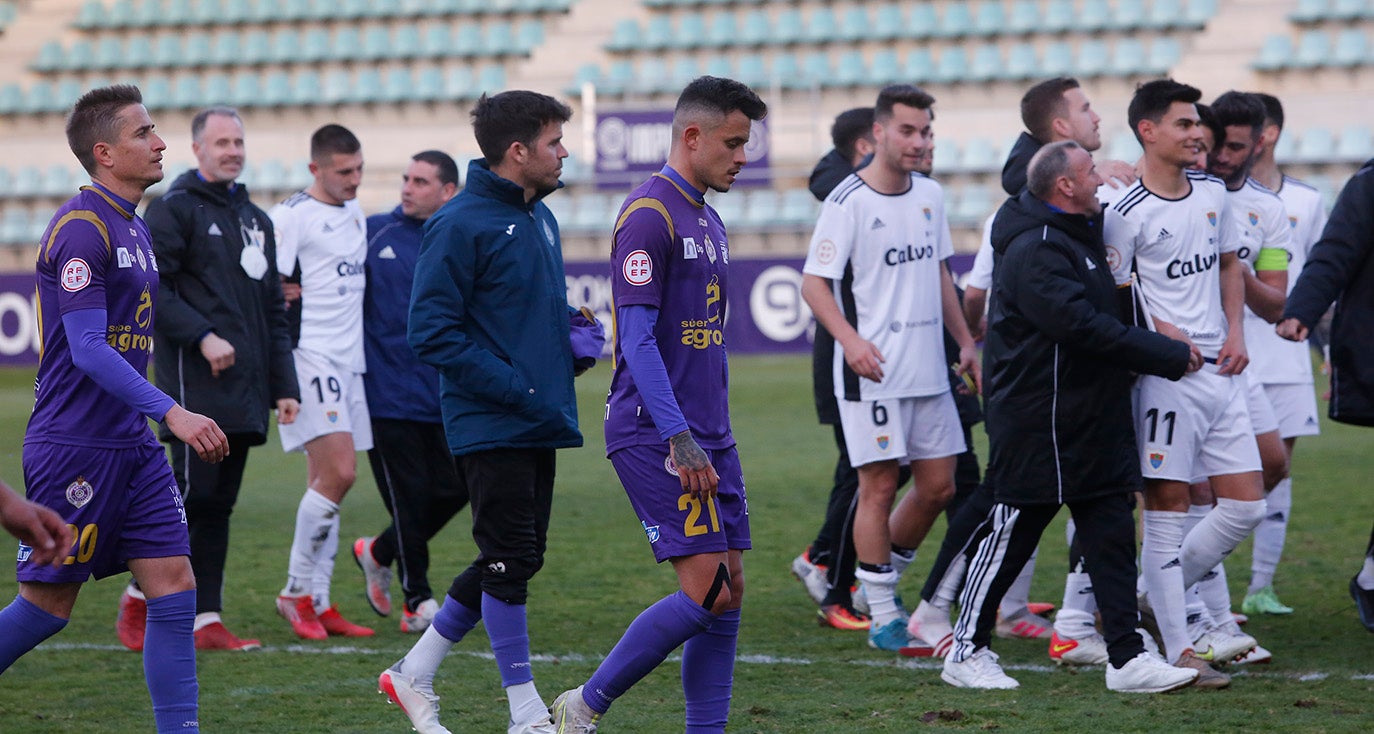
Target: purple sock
point(510, 639)
point(708, 674)
point(169, 662)
point(455, 620)
point(22, 626)
point(657, 631)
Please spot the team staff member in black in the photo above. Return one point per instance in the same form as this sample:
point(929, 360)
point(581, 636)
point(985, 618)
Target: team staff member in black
point(416, 475)
point(222, 348)
point(1058, 363)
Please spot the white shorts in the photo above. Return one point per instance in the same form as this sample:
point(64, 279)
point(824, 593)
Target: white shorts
point(901, 429)
point(1295, 407)
point(1261, 409)
point(333, 400)
point(1196, 427)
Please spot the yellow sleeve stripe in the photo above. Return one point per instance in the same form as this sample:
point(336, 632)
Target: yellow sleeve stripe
point(646, 203)
point(1271, 258)
point(83, 215)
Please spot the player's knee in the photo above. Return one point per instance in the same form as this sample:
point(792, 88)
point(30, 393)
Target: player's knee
point(721, 594)
point(1245, 515)
point(508, 579)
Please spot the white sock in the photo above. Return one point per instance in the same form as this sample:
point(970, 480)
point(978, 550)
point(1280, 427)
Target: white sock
point(1195, 515)
point(205, 619)
point(1069, 529)
point(1075, 616)
point(1216, 596)
point(900, 562)
point(1365, 579)
point(948, 590)
point(1217, 535)
point(525, 703)
point(1198, 621)
point(1018, 594)
point(424, 657)
point(881, 589)
point(133, 590)
point(324, 568)
point(1270, 535)
point(1162, 574)
point(313, 520)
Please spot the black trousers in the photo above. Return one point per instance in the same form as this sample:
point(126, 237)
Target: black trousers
point(1106, 535)
point(209, 492)
point(422, 490)
point(511, 491)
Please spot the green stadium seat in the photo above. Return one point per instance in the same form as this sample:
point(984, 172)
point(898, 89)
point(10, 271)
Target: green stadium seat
point(980, 155)
point(491, 79)
point(658, 34)
point(854, 25)
point(1314, 50)
point(14, 226)
point(1310, 11)
point(376, 44)
point(625, 37)
point(1022, 62)
point(226, 48)
point(435, 42)
point(749, 69)
point(851, 70)
point(1316, 145)
point(467, 41)
point(972, 205)
point(195, 49)
point(922, 23)
point(989, 19)
point(119, 15)
point(276, 89)
point(1199, 12)
point(263, 11)
point(883, 69)
point(788, 28)
point(952, 66)
point(799, 208)
point(1343, 10)
point(80, 56)
point(651, 76)
point(291, 11)
point(399, 85)
point(617, 78)
point(1274, 53)
point(28, 181)
point(1356, 144)
point(986, 64)
point(691, 31)
point(1060, 16)
point(91, 15)
point(1166, 14)
point(405, 42)
point(1024, 18)
point(499, 41)
point(684, 70)
point(889, 23)
point(157, 92)
point(345, 44)
point(314, 46)
point(237, 11)
point(1284, 149)
point(821, 26)
point(1094, 16)
point(338, 87)
point(286, 44)
point(246, 90)
point(429, 85)
point(1092, 58)
point(956, 22)
point(49, 57)
point(11, 102)
point(345, 9)
point(585, 73)
point(1123, 147)
point(257, 47)
point(109, 52)
point(185, 92)
point(1165, 52)
point(919, 66)
point(816, 70)
point(718, 65)
point(206, 13)
point(722, 31)
point(756, 29)
point(65, 94)
point(306, 88)
point(216, 89)
point(785, 70)
point(147, 14)
point(529, 35)
point(1352, 48)
point(1128, 58)
point(1130, 15)
point(1057, 59)
point(367, 85)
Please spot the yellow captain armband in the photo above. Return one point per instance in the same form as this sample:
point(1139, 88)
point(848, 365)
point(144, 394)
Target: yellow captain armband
point(1271, 258)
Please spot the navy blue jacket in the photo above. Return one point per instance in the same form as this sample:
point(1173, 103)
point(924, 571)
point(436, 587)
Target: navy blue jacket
point(399, 386)
point(490, 310)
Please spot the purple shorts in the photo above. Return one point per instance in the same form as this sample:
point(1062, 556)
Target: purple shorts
point(121, 503)
point(676, 523)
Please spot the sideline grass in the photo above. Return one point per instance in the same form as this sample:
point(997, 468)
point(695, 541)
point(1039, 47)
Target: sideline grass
point(793, 676)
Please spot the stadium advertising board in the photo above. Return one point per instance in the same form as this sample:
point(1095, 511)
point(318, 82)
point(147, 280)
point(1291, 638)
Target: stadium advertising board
point(632, 144)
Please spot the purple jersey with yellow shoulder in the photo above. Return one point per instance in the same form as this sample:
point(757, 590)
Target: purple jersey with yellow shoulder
point(670, 252)
point(94, 254)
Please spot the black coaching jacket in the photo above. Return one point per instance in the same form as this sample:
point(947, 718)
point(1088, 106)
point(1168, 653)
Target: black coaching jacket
point(1058, 359)
point(1340, 267)
point(200, 231)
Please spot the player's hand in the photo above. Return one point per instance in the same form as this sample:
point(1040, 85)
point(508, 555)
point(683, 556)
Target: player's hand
point(1291, 329)
point(37, 527)
point(287, 408)
point(1117, 173)
point(864, 358)
point(218, 352)
point(970, 369)
point(198, 432)
point(1233, 359)
point(291, 292)
point(694, 469)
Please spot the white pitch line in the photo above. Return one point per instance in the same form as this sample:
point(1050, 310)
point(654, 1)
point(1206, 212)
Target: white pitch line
point(747, 659)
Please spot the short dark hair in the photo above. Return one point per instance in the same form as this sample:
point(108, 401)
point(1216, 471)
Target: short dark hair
point(1047, 166)
point(333, 139)
point(1208, 118)
point(516, 116)
point(1239, 108)
point(95, 119)
point(198, 122)
point(1153, 98)
point(905, 94)
point(716, 95)
point(1273, 108)
point(443, 162)
point(851, 126)
point(1044, 102)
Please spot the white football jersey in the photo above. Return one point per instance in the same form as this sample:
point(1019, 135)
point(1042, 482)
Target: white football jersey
point(330, 244)
point(1174, 246)
point(884, 255)
point(1274, 360)
point(980, 276)
point(1258, 216)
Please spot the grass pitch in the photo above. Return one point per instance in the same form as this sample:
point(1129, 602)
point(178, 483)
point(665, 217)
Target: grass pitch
point(792, 676)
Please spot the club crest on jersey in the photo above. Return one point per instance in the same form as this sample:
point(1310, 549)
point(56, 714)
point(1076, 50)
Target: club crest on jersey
point(122, 258)
point(710, 248)
point(80, 492)
point(548, 233)
point(689, 248)
point(76, 274)
point(1113, 257)
point(1254, 218)
point(638, 269)
point(651, 532)
point(926, 212)
point(1292, 222)
point(669, 466)
point(825, 252)
point(1212, 218)
point(883, 441)
point(701, 221)
point(332, 415)
point(1156, 459)
point(142, 261)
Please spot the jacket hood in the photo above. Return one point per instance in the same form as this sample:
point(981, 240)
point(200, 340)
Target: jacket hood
point(1024, 212)
point(222, 192)
point(1018, 160)
point(482, 182)
point(830, 170)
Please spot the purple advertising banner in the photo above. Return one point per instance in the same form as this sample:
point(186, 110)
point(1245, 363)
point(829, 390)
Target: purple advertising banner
point(631, 145)
point(765, 312)
point(18, 321)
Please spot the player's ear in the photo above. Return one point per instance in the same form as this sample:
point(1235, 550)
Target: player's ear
point(691, 135)
point(1146, 129)
point(101, 153)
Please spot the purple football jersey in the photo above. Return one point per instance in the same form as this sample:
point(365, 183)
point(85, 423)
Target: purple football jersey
point(94, 254)
point(670, 253)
